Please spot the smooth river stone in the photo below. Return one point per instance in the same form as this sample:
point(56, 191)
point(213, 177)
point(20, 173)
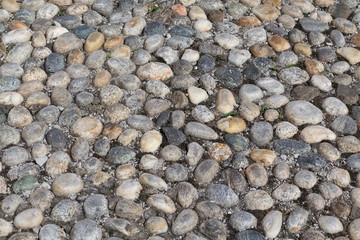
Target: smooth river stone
point(88, 128)
point(29, 218)
point(67, 184)
point(301, 112)
point(151, 141)
point(162, 203)
point(316, 134)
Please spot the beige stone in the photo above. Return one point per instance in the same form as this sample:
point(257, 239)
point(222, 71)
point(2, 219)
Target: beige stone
point(94, 42)
point(231, 125)
point(29, 218)
point(87, 127)
point(352, 55)
point(151, 141)
point(263, 156)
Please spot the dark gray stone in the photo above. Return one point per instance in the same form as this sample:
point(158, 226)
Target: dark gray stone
point(83, 31)
point(120, 155)
point(153, 28)
point(344, 124)
point(312, 25)
point(249, 235)
point(69, 21)
point(56, 139)
point(261, 133)
point(290, 146)
point(311, 161)
point(174, 136)
point(231, 77)
point(104, 7)
point(236, 142)
point(206, 63)
point(54, 63)
point(181, 31)
point(222, 195)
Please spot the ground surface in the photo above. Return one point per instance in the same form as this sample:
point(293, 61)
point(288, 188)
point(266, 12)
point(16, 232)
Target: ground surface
point(186, 119)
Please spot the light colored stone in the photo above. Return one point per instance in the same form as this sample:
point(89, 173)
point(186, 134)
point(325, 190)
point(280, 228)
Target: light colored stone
point(154, 71)
point(67, 184)
point(302, 112)
point(316, 134)
point(134, 26)
point(11, 98)
point(129, 189)
point(190, 55)
point(202, 25)
point(226, 40)
point(197, 13)
point(334, 107)
point(16, 36)
point(197, 95)
point(352, 55)
point(330, 224)
point(266, 12)
point(5, 228)
point(263, 156)
point(231, 125)
point(88, 128)
point(225, 101)
point(321, 82)
point(162, 203)
point(151, 141)
point(271, 224)
point(29, 218)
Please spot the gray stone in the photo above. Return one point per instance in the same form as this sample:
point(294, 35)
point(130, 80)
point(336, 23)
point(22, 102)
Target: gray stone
point(222, 195)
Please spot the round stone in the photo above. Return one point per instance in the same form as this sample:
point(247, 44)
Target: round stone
point(330, 224)
point(286, 192)
point(302, 112)
point(305, 179)
point(258, 200)
point(29, 218)
point(67, 184)
point(87, 127)
point(86, 229)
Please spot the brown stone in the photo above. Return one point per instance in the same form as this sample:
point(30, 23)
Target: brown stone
point(27, 88)
point(102, 79)
point(302, 48)
point(306, 93)
point(17, 25)
point(323, 3)
point(356, 39)
point(275, 3)
point(88, 128)
point(266, 12)
point(112, 130)
point(248, 21)
point(113, 43)
point(346, 94)
point(313, 66)
point(67, 42)
point(278, 43)
point(179, 10)
point(94, 42)
point(219, 151)
point(352, 55)
point(262, 50)
point(292, 11)
point(216, 16)
point(76, 56)
point(2, 50)
point(263, 156)
point(10, 5)
point(341, 209)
